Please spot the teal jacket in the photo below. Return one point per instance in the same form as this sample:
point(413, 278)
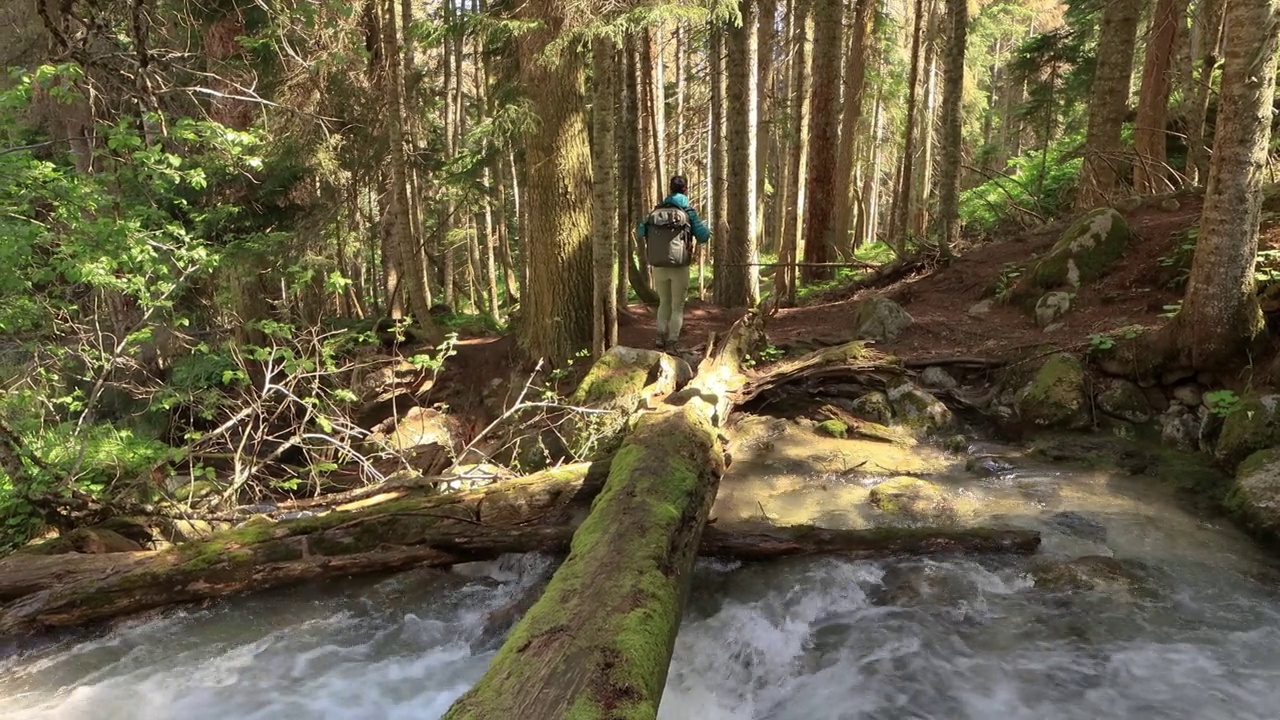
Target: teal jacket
point(681, 201)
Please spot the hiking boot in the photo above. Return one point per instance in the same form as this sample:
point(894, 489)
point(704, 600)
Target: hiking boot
point(661, 343)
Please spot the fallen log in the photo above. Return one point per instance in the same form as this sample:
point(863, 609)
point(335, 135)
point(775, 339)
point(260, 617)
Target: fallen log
point(598, 642)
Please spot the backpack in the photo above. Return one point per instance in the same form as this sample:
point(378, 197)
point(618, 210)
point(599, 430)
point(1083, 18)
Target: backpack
point(668, 237)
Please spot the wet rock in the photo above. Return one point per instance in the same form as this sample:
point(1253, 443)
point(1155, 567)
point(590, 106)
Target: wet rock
point(911, 584)
point(919, 410)
point(1190, 395)
point(981, 308)
point(1052, 306)
point(1055, 397)
point(1180, 428)
point(1255, 494)
point(879, 319)
point(1254, 425)
point(938, 379)
point(1078, 525)
point(874, 406)
point(1085, 252)
point(1093, 573)
point(986, 466)
point(1124, 400)
point(913, 499)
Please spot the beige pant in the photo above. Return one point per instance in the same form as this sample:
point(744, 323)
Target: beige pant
point(672, 286)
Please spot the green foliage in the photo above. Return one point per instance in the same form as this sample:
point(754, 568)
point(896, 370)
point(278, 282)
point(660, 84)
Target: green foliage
point(1222, 402)
point(1039, 184)
point(1107, 341)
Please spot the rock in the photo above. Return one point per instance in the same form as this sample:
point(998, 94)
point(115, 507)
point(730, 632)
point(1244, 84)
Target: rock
point(1085, 252)
point(1092, 573)
point(1054, 327)
point(981, 308)
point(1170, 205)
point(1254, 425)
point(1079, 526)
point(956, 443)
point(1190, 395)
point(419, 427)
point(986, 466)
point(1180, 428)
point(1175, 376)
point(874, 406)
point(1052, 306)
point(879, 319)
point(1124, 400)
point(913, 499)
point(1156, 399)
point(1255, 495)
point(1130, 204)
point(834, 428)
point(1055, 397)
point(919, 410)
point(937, 378)
point(382, 377)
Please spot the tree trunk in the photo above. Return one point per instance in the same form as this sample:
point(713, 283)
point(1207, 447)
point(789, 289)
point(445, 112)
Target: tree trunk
point(640, 178)
point(682, 72)
point(604, 327)
point(791, 243)
point(1108, 103)
point(737, 280)
point(1210, 27)
point(556, 311)
point(658, 102)
point(952, 127)
point(1150, 175)
point(902, 201)
point(922, 180)
point(1220, 317)
point(855, 74)
point(824, 128)
point(767, 35)
point(719, 154)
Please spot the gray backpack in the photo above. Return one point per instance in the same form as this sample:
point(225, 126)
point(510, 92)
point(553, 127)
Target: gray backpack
point(668, 237)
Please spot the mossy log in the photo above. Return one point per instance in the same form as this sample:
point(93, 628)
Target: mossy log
point(598, 642)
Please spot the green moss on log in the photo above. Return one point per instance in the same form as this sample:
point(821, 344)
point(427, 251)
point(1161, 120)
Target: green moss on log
point(834, 428)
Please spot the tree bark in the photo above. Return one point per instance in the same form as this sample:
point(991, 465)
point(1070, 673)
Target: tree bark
point(902, 201)
point(719, 153)
point(824, 129)
point(767, 34)
point(1209, 25)
point(556, 308)
point(1104, 158)
point(1220, 317)
point(737, 279)
point(604, 327)
point(1150, 175)
point(855, 74)
point(952, 127)
point(789, 245)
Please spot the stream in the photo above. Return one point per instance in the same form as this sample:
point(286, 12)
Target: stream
point(1169, 615)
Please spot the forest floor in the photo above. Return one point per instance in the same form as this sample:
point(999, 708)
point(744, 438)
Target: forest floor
point(1140, 292)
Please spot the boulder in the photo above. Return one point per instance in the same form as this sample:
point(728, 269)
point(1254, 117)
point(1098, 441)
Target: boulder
point(1190, 395)
point(1252, 426)
point(1124, 400)
point(1180, 428)
point(914, 500)
point(1255, 495)
point(874, 406)
point(1052, 306)
point(1055, 397)
point(879, 319)
point(919, 410)
point(1092, 573)
point(938, 379)
point(419, 427)
point(1085, 252)
point(981, 308)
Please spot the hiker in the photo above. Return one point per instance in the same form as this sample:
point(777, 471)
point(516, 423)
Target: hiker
point(669, 233)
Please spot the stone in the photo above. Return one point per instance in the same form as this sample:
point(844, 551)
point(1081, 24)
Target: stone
point(919, 410)
point(418, 428)
point(1078, 525)
point(1124, 400)
point(986, 465)
point(1052, 306)
point(937, 378)
point(1085, 252)
point(1170, 205)
point(874, 406)
point(1190, 395)
point(1092, 573)
point(912, 499)
point(1055, 327)
point(1180, 428)
point(879, 319)
point(981, 308)
point(1252, 426)
point(1055, 397)
point(1254, 496)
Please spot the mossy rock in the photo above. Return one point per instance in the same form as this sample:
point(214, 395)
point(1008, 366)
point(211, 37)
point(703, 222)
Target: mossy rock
point(874, 406)
point(1254, 425)
point(918, 410)
point(914, 500)
point(1124, 400)
point(1055, 397)
point(880, 319)
point(834, 428)
point(1254, 497)
point(1084, 253)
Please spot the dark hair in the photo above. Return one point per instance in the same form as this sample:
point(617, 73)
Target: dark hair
point(678, 185)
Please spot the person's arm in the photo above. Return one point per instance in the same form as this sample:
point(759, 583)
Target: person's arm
point(700, 230)
point(640, 229)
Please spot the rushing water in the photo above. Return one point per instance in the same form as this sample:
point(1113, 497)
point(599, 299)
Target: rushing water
point(965, 638)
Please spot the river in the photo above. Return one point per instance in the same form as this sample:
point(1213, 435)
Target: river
point(1194, 634)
